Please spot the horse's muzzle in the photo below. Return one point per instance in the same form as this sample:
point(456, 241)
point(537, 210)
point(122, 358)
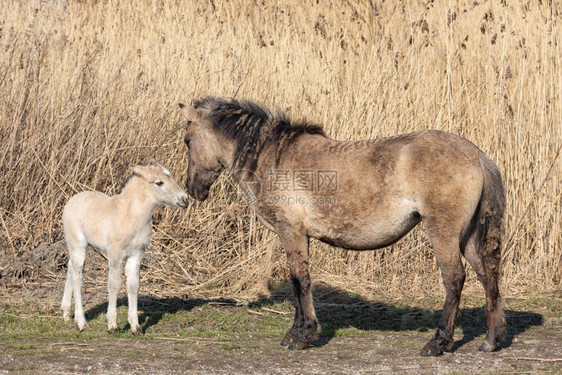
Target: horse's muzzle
point(197, 191)
point(201, 195)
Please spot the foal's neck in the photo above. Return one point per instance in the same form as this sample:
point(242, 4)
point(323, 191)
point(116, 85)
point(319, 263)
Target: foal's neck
point(138, 205)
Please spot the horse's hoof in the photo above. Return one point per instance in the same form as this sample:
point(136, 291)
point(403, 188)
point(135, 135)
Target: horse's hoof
point(286, 340)
point(137, 331)
point(82, 326)
point(112, 330)
point(486, 347)
point(431, 349)
point(501, 333)
point(298, 345)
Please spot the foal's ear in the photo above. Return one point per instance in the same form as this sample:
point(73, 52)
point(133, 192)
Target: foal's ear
point(138, 170)
point(190, 112)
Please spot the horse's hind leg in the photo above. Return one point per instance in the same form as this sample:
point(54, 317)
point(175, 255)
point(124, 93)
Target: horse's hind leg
point(448, 255)
point(494, 312)
point(132, 269)
point(305, 323)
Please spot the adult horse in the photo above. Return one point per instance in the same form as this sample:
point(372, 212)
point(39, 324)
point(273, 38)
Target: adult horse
point(357, 195)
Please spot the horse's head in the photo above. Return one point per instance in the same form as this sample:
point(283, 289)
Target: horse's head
point(208, 153)
point(160, 184)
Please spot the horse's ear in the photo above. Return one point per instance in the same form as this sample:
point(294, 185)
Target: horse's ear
point(190, 112)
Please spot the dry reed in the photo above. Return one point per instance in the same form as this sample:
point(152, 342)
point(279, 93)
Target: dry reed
point(88, 87)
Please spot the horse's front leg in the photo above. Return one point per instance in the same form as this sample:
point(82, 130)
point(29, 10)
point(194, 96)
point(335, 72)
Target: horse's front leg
point(305, 325)
point(132, 272)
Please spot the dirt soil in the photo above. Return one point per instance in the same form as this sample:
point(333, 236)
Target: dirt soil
point(533, 346)
point(532, 352)
point(357, 336)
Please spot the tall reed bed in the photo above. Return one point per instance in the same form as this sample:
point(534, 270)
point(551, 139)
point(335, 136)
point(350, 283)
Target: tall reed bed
point(87, 88)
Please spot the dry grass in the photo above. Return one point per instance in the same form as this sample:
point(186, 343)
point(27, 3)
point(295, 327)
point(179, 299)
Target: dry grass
point(88, 88)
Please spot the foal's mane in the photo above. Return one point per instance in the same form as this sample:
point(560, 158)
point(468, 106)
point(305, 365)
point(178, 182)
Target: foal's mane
point(145, 162)
point(253, 127)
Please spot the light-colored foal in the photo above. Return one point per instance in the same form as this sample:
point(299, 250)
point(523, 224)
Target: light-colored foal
point(121, 226)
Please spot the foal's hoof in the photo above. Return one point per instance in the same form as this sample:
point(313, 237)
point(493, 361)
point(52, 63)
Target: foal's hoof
point(431, 349)
point(137, 331)
point(66, 316)
point(112, 330)
point(486, 347)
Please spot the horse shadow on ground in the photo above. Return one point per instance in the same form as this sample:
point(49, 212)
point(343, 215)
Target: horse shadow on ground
point(338, 309)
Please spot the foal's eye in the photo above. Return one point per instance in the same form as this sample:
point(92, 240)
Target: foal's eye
point(159, 183)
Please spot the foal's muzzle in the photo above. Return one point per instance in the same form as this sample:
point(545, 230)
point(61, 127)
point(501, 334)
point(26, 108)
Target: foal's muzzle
point(183, 202)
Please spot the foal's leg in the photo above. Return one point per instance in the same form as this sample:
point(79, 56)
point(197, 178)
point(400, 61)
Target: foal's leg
point(67, 295)
point(494, 311)
point(448, 255)
point(113, 286)
point(132, 269)
point(77, 255)
point(305, 323)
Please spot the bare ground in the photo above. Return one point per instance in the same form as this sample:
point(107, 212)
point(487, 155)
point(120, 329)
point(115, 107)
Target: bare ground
point(532, 352)
point(356, 337)
point(224, 335)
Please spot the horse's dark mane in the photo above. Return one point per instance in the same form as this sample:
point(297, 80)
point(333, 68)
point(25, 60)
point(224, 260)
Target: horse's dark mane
point(253, 127)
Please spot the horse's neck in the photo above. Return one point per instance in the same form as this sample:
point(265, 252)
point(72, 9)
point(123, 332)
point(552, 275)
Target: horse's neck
point(252, 181)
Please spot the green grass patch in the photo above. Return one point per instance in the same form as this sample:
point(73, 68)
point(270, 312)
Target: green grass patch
point(230, 346)
point(229, 321)
point(17, 346)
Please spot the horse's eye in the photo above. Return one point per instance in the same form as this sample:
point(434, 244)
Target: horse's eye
point(159, 183)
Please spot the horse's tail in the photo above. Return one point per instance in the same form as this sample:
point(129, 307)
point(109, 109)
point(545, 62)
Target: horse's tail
point(490, 216)
point(489, 231)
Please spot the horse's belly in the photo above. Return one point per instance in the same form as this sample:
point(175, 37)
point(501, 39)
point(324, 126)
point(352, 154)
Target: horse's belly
point(365, 235)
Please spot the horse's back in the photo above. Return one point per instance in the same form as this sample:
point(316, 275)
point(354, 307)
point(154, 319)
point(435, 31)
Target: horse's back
point(436, 161)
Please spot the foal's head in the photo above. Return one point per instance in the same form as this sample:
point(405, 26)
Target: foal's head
point(160, 184)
